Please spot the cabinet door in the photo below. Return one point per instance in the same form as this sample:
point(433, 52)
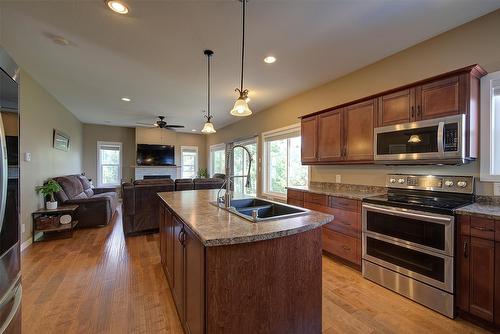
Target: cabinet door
point(178, 273)
point(358, 124)
point(439, 98)
point(463, 272)
point(330, 136)
point(163, 232)
point(497, 281)
point(482, 264)
point(396, 108)
point(169, 246)
point(195, 283)
point(308, 135)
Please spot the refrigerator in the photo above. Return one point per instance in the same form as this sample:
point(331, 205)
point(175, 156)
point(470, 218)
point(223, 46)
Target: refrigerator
point(10, 252)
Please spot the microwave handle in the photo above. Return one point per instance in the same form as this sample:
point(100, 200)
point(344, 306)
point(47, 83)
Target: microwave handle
point(440, 138)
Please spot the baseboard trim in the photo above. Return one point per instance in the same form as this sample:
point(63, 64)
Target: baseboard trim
point(26, 244)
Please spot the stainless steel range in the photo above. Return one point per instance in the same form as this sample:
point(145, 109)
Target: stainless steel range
point(409, 237)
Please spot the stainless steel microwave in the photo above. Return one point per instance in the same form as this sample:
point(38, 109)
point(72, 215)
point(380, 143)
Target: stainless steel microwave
point(435, 141)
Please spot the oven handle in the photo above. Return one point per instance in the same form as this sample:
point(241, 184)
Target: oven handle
point(401, 212)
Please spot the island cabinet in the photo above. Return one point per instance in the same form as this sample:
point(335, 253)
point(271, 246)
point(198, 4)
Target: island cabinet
point(342, 237)
point(263, 286)
point(478, 268)
point(344, 133)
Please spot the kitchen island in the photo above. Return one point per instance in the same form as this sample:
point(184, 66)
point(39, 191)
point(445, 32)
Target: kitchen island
point(229, 275)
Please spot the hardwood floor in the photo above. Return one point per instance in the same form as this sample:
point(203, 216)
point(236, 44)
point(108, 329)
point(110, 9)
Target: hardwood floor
point(97, 282)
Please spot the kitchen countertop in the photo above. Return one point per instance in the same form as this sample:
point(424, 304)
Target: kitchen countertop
point(215, 226)
point(484, 207)
point(345, 192)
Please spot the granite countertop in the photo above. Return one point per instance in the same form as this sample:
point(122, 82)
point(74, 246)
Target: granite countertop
point(215, 226)
point(485, 206)
point(357, 193)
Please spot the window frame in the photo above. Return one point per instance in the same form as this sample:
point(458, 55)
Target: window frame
point(196, 162)
point(248, 141)
point(487, 149)
point(288, 132)
point(213, 148)
point(99, 165)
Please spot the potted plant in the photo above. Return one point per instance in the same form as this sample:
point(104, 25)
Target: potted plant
point(49, 188)
point(202, 172)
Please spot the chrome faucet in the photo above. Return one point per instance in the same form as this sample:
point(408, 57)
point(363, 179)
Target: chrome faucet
point(228, 195)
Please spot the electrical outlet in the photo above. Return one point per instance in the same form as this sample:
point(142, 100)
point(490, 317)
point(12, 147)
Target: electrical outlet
point(338, 178)
point(27, 156)
point(496, 188)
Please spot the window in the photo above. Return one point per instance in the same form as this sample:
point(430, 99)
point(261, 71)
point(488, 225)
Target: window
point(240, 167)
point(490, 127)
point(282, 162)
point(109, 163)
point(217, 159)
point(189, 161)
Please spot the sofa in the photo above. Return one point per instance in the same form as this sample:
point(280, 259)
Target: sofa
point(96, 206)
point(208, 183)
point(184, 184)
point(141, 204)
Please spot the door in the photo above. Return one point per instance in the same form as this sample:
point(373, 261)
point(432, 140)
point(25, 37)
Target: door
point(178, 272)
point(396, 108)
point(195, 283)
point(359, 120)
point(439, 98)
point(308, 137)
point(330, 136)
point(482, 264)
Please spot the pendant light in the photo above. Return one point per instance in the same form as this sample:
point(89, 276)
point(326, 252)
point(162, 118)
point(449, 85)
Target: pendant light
point(241, 106)
point(208, 128)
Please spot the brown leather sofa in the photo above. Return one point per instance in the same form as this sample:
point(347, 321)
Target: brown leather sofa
point(141, 204)
point(184, 184)
point(96, 206)
point(207, 183)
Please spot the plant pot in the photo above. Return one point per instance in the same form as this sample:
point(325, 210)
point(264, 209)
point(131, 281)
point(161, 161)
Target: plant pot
point(51, 205)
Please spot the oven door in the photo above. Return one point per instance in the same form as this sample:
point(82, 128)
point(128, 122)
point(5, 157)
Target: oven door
point(413, 243)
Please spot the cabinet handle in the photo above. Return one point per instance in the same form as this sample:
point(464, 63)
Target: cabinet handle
point(419, 112)
point(180, 236)
point(346, 248)
point(485, 229)
point(412, 113)
point(466, 248)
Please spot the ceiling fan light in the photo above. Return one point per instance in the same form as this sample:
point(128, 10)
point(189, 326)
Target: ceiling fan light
point(241, 108)
point(208, 128)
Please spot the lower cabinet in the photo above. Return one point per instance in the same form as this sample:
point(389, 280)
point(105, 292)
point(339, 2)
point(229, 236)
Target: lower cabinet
point(478, 269)
point(342, 237)
point(186, 278)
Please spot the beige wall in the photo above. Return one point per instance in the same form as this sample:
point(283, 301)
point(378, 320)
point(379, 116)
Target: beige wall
point(178, 139)
point(93, 133)
point(474, 42)
point(40, 114)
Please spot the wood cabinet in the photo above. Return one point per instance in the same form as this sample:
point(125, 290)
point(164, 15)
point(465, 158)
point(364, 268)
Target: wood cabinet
point(478, 268)
point(341, 237)
point(309, 139)
point(194, 283)
point(344, 133)
point(178, 272)
point(167, 243)
point(331, 136)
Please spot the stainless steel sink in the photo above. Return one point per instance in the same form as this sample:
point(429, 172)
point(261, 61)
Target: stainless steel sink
point(258, 210)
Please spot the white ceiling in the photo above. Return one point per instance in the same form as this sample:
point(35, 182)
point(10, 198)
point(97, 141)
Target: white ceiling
point(155, 54)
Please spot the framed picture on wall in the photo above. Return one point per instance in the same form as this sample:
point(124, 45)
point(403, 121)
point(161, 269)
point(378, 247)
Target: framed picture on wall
point(61, 140)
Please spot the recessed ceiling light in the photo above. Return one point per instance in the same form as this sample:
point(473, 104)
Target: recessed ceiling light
point(59, 40)
point(194, 130)
point(126, 99)
point(269, 59)
point(117, 6)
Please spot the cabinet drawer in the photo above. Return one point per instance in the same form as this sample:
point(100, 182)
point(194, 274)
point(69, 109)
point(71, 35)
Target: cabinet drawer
point(344, 203)
point(317, 207)
point(319, 199)
point(347, 222)
point(342, 245)
point(295, 194)
point(295, 202)
point(482, 228)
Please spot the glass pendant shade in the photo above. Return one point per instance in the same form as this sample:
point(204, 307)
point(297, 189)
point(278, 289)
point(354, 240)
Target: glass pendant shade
point(208, 128)
point(414, 139)
point(241, 108)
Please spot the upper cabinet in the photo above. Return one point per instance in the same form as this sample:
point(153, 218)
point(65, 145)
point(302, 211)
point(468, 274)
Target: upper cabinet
point(344, 134)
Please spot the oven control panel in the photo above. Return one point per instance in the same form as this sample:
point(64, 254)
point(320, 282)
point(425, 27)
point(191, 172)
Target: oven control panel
point(446, 183)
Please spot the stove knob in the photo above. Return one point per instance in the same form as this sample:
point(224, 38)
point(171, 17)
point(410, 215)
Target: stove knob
point(462, 184)
point(392, 180)
point(448, 183)
point(401, 181)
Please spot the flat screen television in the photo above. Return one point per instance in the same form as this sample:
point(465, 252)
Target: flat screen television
point(155, 155)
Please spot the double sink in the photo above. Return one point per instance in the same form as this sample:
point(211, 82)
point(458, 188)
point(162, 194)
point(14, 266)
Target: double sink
point(258, 210)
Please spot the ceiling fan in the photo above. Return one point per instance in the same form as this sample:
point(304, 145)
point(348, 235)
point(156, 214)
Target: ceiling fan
point(162, 124)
